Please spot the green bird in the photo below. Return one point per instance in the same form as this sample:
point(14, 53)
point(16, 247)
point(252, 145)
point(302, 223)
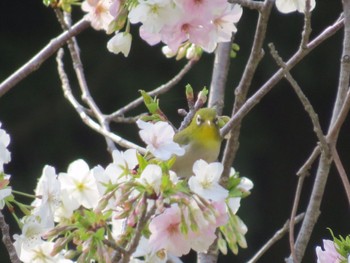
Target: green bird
point(201, 140)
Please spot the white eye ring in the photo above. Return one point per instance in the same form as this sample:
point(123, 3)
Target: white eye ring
point(199, 120)
point(216, 120)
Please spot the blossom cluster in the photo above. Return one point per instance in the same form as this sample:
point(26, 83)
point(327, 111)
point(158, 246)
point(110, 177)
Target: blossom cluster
point(77, 213)
point(337, 251)
point(172, 22)
point(185, 26)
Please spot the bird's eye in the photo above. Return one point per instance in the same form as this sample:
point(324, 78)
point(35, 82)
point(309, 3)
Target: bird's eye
point(199, 120)
point(216, 121)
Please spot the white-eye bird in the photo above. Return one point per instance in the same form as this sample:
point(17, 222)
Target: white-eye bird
point(201, 140)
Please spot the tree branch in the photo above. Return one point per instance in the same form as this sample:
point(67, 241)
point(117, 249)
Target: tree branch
point(82, 113)
point(248, 3)
point(277, 236)
point(65, 21)
point(160, 90)
point(294, 60)
point(35, 62)
point(244, 85)
point(6, 239)
point(313, 209)
point(219, 76)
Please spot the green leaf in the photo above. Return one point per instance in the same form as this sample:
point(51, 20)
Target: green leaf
point(152, 104)
point(142, 162)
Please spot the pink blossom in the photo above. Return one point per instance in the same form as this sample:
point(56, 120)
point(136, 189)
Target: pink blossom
point(329, 254)
point(114, 8)
point(166, 233)
point(98, 13)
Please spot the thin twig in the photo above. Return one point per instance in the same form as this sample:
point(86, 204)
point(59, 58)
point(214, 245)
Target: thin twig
point(303, 99)
point(65, 21)
point(143, 220)
point(304, 169)
point(242, 89)
point(35, 62)
point(277, 236)
point(83, 115)
point(313, 208)
point(341, 172)
point(6, 239)
point(160, 90)
point(248, 3)
point(294, 60)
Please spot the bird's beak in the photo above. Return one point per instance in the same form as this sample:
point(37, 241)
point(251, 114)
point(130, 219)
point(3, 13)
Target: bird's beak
point(209, 122)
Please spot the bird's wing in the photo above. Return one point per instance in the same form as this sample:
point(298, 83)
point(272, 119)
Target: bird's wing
point(181, 139)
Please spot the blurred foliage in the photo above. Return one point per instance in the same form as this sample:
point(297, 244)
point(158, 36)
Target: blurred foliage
point(276, 138)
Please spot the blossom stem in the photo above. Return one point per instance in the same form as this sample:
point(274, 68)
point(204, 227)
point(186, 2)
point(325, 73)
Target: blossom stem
point(23, 194)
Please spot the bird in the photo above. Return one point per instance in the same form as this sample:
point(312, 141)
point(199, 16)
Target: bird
point(201, 140)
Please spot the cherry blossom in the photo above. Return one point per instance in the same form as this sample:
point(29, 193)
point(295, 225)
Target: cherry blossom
point(206, 180)
point(120, 43)
point(166, 233)
point(152, 176)
point(98, 13)
point(48, 191)
point(79, 185)
point(329, 254)
point(41, 253)
point(288, 6)
point(159, 139)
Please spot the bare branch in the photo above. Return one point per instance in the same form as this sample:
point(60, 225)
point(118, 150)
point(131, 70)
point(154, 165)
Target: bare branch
point(341, 172)
point(313, 209)
point(248, 3)
point(6, 239)
point(82, 113)
point(304, 169)
point(219, 76)
point(244, 85)
point(295, 59)
point(160, 90)
point(303, 99)
point(277, 236)
point(79, 71)
point(35, 62)
point(142, 222)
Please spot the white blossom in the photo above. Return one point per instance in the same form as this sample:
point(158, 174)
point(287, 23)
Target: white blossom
point(48, 192)
point(152, 176)
point(41, 253)
point(5, 155)
point(159, 139)
point(120, 43)
point(288, 6)
point(79, 185)
point(206, 180)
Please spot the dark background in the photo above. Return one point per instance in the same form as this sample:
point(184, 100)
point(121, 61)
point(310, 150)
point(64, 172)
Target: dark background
point(277, 135)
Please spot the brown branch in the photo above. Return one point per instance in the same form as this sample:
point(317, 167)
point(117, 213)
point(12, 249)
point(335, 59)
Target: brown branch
point(35, 62)
point(313, 208)
point(82, 112)
point(6, 239)
point(244, 85)
point(160, 90)
point(65, 22)
point(294, 60)
point(277, 236)
point(219, 76)
point(342, 173)
point(248, 3)
point(142, 222)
